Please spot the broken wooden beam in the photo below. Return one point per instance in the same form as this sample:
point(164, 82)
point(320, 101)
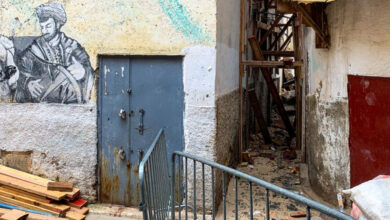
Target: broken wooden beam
point(273, 64)
point(271, 86)
point(259, 115)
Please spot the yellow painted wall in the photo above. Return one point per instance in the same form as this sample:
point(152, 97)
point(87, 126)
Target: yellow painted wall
point(127, 27)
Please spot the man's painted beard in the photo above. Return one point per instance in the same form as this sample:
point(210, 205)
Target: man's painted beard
point(50, 36)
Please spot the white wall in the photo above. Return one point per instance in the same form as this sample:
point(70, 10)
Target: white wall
point(360, 45)
point(63, 139)
point(228, 43)
point(199, 90)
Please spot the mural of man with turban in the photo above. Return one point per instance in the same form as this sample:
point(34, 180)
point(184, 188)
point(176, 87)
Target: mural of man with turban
point(54, 68)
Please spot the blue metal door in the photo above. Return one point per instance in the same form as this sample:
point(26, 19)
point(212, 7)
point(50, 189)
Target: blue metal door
point(137, 97)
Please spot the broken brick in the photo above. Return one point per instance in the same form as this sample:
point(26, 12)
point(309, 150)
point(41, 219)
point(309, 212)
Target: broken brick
point(290, 155)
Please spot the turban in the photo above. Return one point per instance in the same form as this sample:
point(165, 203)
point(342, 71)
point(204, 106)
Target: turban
point(53, 10)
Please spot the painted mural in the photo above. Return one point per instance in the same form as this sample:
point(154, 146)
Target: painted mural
point(51, 68)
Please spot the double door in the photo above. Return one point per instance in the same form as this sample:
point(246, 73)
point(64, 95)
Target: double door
point(137, 97)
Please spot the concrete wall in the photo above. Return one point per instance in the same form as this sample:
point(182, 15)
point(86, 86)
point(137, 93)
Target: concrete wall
point(63, 138)
point(359, 46)
point(228, 42)
point(215, 134)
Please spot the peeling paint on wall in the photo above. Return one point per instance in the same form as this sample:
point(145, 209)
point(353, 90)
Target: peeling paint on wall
point(182, 21)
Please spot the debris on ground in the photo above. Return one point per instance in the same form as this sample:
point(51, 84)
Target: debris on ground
point(277, 163)
point(244, 164)
point(288, 95)
point(290, 155)
point(298, 214)
point(26, 196)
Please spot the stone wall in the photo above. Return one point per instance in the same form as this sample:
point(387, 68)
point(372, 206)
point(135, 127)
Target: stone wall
point(62, 139)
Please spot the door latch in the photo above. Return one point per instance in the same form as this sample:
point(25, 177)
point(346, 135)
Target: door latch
point(141, 122)
point(122, 114)
point(122, 154)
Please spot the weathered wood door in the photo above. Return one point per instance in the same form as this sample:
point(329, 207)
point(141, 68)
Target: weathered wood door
point(369, 119)
point(137, 97)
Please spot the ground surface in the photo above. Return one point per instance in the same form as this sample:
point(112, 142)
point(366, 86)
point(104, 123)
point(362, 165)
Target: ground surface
point(280, 172)
point(103, 217)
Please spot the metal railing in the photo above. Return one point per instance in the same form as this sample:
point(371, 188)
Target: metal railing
point(158, 190)
point(154, 181)
point(182, 157)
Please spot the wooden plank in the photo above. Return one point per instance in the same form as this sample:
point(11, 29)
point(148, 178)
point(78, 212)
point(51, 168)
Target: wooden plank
point(241, 74)
point(242, 27)
point(271, 86)
point(23, 176)
point(34, 179)
point(14, 215)
point(74, 216)
point(300, 91)
point(259, 115)
point(82, 211)
point(278, 53)
point(269, 64)
point(60, 186)
point(79, 203)
point(33, 216)
point(54, 207)
point(31, 187)
point(73, 195)
point(246, 110)
point(24, 194)
point(28, 206)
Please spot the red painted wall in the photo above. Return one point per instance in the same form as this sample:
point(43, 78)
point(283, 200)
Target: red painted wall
point(369, 121)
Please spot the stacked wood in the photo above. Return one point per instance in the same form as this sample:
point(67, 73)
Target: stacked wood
point(7, 214)
point(38, 198)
